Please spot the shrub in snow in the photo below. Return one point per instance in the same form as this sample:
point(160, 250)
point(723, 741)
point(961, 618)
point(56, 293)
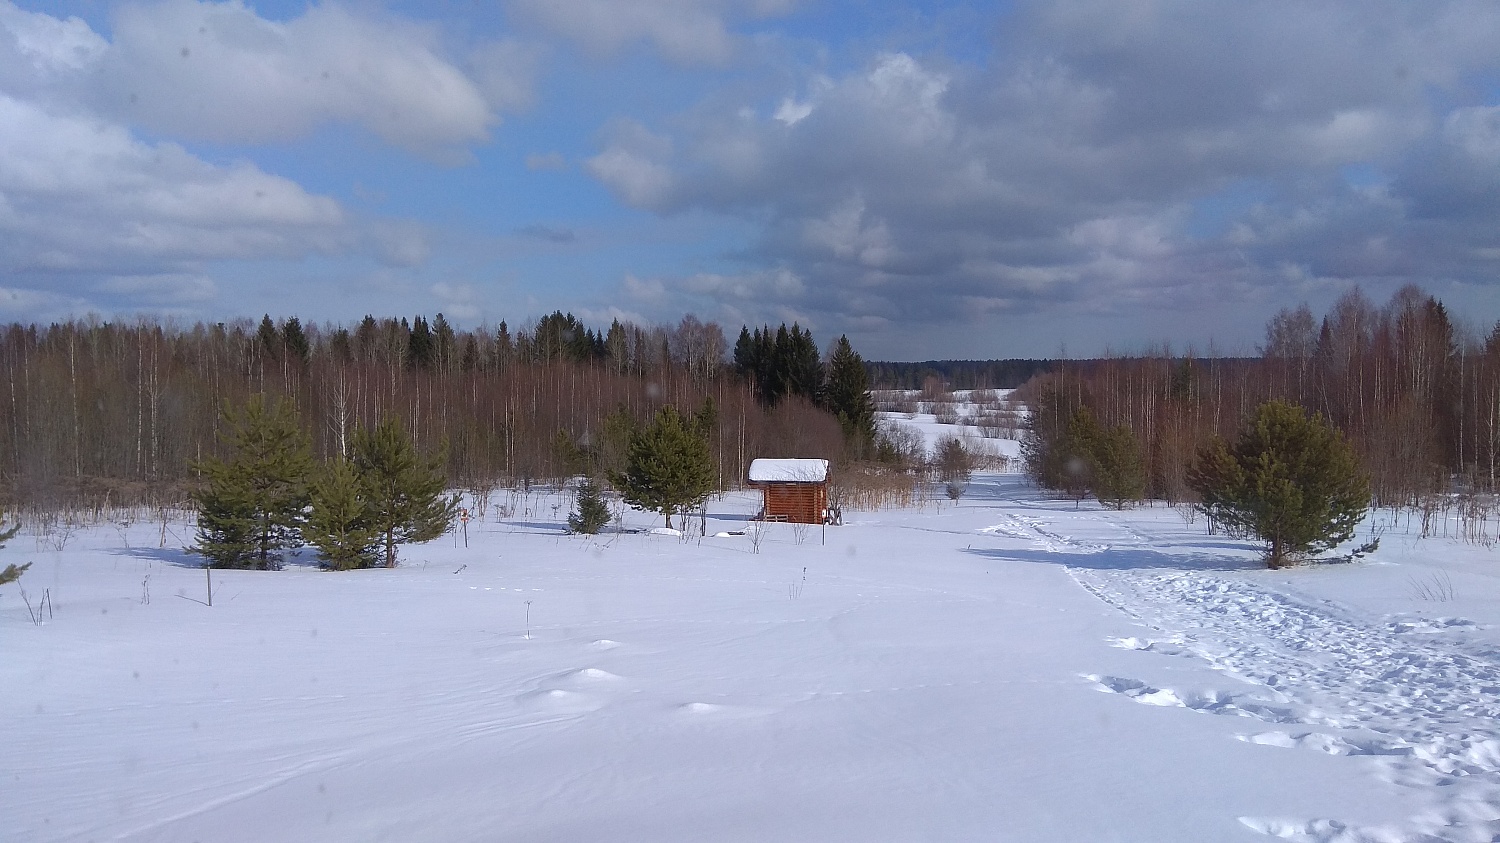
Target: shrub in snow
point(1290, 480)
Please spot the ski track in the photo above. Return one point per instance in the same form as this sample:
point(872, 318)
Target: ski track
point(1417, 706)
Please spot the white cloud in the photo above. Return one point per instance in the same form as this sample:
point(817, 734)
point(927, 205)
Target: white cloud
point(631, 166)
point(217, 71)
point(48, 44)
point(792, 112)
point(79, 192)
point(845, 234)
point(645, 289)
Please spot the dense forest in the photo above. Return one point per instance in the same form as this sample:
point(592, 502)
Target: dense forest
point(955, 374)
point(118, 412)
point(1417, 396)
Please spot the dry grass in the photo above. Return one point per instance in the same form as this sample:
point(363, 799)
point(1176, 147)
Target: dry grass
point(873, 488)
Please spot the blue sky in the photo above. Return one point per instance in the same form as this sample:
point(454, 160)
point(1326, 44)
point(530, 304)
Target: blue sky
point(936, 179)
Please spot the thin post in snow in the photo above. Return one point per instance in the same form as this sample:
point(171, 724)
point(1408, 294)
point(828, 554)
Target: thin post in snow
point(208, 572)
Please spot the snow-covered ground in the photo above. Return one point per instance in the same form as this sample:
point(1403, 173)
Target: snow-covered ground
point(1006, 667)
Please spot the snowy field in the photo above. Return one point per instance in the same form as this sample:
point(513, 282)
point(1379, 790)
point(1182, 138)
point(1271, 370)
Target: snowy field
point(1004, 668)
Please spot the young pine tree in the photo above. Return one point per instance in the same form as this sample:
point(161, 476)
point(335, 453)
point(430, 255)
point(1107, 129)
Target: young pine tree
point(1290, 480)
point(1115, 467)
point(592, 513)
point(404, 492)
point(668, 466)
point(340, 524)
point(252, 506)
point(11, 572)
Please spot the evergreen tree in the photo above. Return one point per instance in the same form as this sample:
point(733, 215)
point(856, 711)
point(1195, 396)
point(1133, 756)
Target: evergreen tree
point(505, 348)
point(1289, 480)
point(1077, 449)
point(469, 360)
point(848, 395)
point(592, 513)
point(11, 572)
point(340, 524)
point(1117, 471)
point(802, 368)
point(268, 338)
point(403, 491)
point(745, 354)
point(443, 342)
point(252, 506)
point(420, 348)
point(294, 340)
point(668, 466)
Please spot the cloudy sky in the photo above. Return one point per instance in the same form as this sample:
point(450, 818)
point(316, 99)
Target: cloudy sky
point(936, 179)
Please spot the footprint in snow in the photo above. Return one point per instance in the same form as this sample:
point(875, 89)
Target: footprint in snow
point(1210, 702)
point(1430, 625)
point(1166, 648)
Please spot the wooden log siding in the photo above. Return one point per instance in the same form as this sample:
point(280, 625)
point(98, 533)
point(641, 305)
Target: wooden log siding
point(799, 503)
point(792, 490)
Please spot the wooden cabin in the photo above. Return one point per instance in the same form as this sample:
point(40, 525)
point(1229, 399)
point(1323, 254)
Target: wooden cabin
point(793, 490)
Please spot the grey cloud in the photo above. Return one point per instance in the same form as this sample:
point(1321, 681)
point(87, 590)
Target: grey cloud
point(1063, 177)
point(686, 31)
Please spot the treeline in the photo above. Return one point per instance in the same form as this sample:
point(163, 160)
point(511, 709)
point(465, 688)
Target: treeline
point(1417, 396)
point(956, 374)
point(93, 409)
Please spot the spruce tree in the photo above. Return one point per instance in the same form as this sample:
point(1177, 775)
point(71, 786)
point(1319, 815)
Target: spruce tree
point(592, 513)
point(252, 505)
point(668, 466)
point(340, 524)
point(848, 395)
point(1290, 480)
point(403, 491)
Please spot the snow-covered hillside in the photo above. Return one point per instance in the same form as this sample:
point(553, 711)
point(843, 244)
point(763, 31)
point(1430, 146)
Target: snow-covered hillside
point(1006, 667)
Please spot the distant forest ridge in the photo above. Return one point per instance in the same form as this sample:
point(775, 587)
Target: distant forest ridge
point(956, 374)
point(975, 374)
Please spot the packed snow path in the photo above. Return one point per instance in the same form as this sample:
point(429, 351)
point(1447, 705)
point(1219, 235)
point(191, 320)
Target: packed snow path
point(1404, 693)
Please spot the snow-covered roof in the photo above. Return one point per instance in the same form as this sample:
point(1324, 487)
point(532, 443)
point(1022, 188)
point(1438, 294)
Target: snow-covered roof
point(788, 471)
